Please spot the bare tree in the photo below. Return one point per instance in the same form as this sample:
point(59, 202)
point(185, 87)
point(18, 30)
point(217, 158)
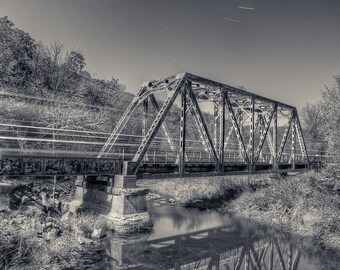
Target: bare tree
point(313, 121)
point(331, 110)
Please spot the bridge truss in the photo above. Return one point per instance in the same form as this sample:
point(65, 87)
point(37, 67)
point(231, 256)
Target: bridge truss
point(260, 125)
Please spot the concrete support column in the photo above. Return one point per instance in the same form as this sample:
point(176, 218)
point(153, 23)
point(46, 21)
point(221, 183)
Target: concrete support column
point(5, 191)
point(115, 196)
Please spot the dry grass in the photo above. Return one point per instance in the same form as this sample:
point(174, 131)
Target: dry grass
point(189, 189)
point(22, 249)
point(307, 204)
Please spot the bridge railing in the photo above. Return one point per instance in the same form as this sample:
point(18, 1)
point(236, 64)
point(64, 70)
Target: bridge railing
point(58, 166)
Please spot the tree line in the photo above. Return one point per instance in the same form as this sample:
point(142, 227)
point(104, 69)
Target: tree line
point(321, 121)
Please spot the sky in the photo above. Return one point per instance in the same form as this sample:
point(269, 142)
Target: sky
point(286, 50)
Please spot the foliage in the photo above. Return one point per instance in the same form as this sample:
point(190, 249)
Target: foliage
point(307, 204)
point(321, 121)
point(30, 66)
point(16, 54)
point(190, 189)
point(313, 121)
point(330, 105)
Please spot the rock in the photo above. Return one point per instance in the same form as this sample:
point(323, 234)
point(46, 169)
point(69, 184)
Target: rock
point(275, 220)
point(12, 222)
point(172, 201)
point(25, 199)
point(66, 217)
point(52, 234)
point(19, 220)
point(162, 201)
point(47, 226)
point(65, 206)
point(82, 240)
point(80, 232)
point(26, 226)
point(98, 233)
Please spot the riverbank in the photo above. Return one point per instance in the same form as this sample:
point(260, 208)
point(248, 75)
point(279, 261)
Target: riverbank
point(306, 204)
point(38, 228)
point(202, 192)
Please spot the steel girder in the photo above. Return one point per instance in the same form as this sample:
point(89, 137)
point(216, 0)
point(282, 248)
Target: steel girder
point(259, 111)
point(202, 126)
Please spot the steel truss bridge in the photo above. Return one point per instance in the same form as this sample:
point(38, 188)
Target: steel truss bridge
point(219, 129)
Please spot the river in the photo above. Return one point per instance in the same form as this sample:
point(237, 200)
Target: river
point(193, 239)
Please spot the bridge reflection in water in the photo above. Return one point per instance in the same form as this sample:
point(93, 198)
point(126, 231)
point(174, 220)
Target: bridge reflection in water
point(226, 244)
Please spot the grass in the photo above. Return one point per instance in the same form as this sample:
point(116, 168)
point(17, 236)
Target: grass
point(23, 248)
point(190, 190)
point(307, 204)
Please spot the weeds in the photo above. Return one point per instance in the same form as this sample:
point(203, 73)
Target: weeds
point(307, 204)
point(188, 190)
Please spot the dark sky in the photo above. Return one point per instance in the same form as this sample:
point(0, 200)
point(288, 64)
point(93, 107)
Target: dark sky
point(286, 50)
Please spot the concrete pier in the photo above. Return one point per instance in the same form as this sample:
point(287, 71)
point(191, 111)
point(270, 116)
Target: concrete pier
point(5, 192)
point(117, 198)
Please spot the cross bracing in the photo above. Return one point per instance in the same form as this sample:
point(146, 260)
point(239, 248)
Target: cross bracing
point(258, 125)
point(187, 137)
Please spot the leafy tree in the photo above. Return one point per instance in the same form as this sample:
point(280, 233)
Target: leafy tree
point(16, 55)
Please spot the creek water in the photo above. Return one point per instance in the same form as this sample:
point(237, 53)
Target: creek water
point(193, 239)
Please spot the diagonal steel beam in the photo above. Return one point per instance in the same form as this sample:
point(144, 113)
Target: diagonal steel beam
point(240, 259)
point(263, 137)
point(285, 134)
point(256, 259)
point(237, 129)
point(122, 122)
point(296, 260)
point(202, 126)
point(269, 137)
point(231, 130)
point(139, 155)
point(164, 126)
point(300, 138)
point(168, 84)
point(282, 264)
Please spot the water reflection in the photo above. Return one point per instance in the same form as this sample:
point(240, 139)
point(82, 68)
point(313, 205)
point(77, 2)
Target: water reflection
point(190, 239)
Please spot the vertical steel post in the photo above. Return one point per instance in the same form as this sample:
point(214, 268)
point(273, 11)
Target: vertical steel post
point(252, 135)
point(241, 129)
point(216, 118)
point(275, 164)
point(181, 167)
point(145, 115)
point(222, 131)
point(293, 143)
point(145, 121)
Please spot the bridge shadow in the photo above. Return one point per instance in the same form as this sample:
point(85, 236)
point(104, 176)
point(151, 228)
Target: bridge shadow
point(239, 245)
